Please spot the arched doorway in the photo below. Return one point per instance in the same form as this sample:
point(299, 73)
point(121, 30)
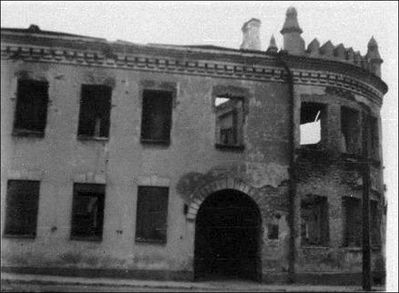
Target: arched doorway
point(227, 237)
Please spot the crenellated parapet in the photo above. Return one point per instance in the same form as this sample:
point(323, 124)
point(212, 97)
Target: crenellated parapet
point(294, 45)
point(371, 61)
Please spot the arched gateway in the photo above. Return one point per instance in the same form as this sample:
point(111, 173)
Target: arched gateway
point(227, 237)
point(227, 231)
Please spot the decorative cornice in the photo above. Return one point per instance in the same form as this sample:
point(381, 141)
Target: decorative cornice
point(306, 71)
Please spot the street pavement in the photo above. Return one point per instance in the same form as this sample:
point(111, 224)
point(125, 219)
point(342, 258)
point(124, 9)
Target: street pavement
point(41, 283)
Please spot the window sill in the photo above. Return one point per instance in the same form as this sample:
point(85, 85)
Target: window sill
point(353, 248)
point(23, 236)
point(94, 138)
point(359, 248)
point(86, 238)
point(229, 147)
point(357, 158)
point(155, 141)
point(27, 133)
point(376, 162)
point(315, 247)
point(150, 241)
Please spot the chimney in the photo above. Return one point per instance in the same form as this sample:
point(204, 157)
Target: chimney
point(250, 32)
point(293, 42)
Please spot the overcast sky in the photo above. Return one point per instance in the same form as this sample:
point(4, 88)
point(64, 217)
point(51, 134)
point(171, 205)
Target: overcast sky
point(219, 23)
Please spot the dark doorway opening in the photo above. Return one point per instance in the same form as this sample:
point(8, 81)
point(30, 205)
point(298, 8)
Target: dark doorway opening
point(227, 243)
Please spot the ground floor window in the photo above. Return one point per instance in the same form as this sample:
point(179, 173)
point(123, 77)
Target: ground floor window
point(87, 211)
point(353, 221)
point(314, 220)
point(22, 208)
point(374, 224)
point(152, 210)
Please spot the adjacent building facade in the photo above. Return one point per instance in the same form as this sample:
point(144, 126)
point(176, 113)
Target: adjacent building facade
point(189, 162)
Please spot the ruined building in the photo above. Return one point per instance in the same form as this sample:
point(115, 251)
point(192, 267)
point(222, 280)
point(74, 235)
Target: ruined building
point(190, 162)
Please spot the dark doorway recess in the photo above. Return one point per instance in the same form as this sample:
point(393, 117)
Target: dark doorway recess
point(227, 243)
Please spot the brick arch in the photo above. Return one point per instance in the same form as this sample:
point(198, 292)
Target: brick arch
point(198, 197)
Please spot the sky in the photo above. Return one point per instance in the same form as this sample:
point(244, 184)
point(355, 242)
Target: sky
point(219, 23)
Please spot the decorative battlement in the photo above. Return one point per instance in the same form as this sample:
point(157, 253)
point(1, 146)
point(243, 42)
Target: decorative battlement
point(294, 44)
point(340, 53)
point(317, 64)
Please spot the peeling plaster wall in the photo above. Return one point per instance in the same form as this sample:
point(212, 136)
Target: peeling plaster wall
point(190, 162)
point(324, 173)
point(60, 159)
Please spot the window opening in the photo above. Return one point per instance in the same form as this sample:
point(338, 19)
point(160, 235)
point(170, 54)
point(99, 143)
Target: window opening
point(374, 139)
point(229, 121)
point(314, 221)
point(22, 208)
point(311, 123)
point(31, 107)
point(353, 221)
point(374, 224)
point(152, 209)
point(95, 106)
point(272, 231)
point(156, 116)
point(88, 211)
point(350, 131)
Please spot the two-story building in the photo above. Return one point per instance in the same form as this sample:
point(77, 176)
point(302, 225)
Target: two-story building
point(189, 162)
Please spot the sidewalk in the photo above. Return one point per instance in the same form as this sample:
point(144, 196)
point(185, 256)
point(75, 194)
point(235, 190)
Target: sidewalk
point(38, 283)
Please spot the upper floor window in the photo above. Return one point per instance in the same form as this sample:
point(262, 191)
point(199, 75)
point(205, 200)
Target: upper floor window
point(312, 116)
point(31, 108)
point(350, 131)
point(229, 121)
point(152, 211)
point(156, 116)
point(374, 138)
point(22, 207)
point(87, 211)
point(95, 107)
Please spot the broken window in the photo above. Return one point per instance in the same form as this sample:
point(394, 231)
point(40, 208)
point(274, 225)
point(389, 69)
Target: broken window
point(350, 131)
point(94, 116)
point(374, 224)
point(229, 121)
point(272, 231)
point(312, 115)
point(374, 138)
point(314, 220)
point(31, 108)
point(22, 207)
point(353, 221)
point(152, 208)
point(87, 211)
point(156, 116)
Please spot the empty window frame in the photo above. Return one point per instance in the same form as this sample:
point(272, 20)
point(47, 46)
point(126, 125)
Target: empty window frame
point(312, 116)
point(95, 107)
point(156, 116)
point(272, 231)
point(350, 131)
point(22, 208)
point(374, 138)
point(31, 108)
point(87, 211)
point(352, 208)
point(374, 224)
point(314, 221)
point(229, 121)
point(152, 209)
